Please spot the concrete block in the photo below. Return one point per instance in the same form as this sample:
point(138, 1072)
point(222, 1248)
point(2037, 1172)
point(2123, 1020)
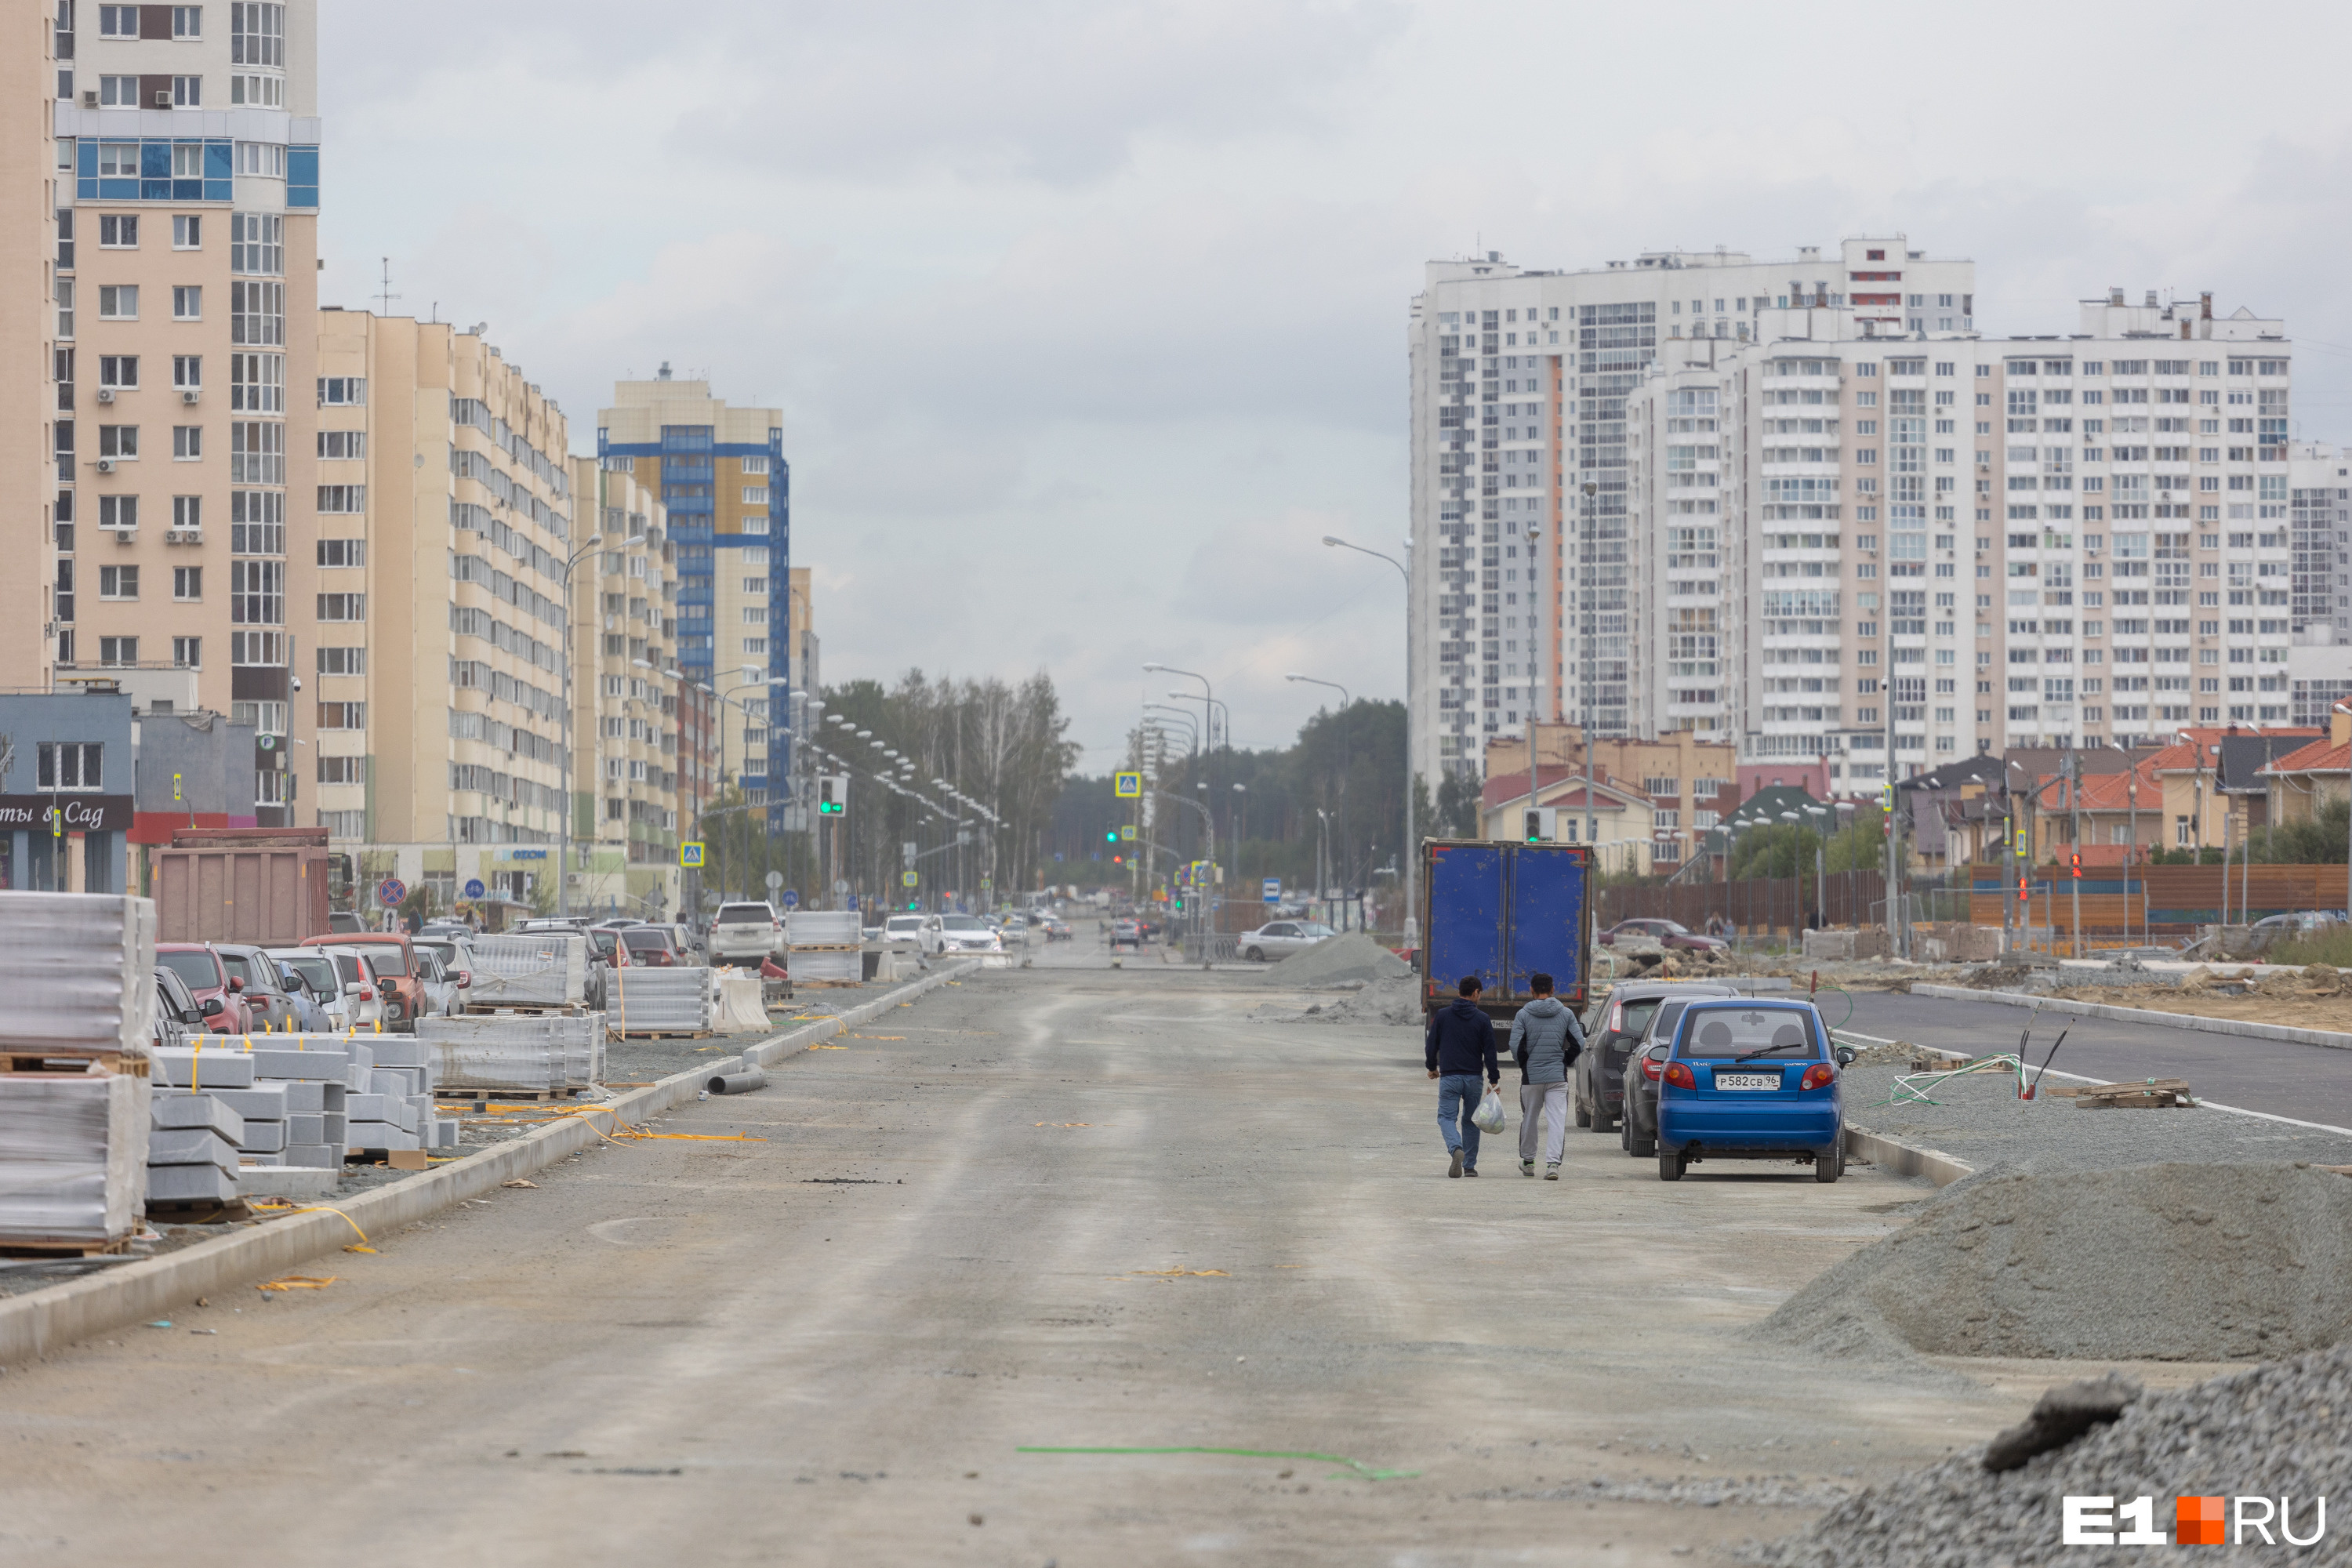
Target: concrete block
point(331, 1096)
point(262, 1102)
point(337, 1124)
point(190, 1146)
point(307, 1099)
point(444, 1135)
point(319, 1155)
point(262, 1138)
point(399, 1051)
point(189, 1183)
point(288, 1180)
point(368, 1136)
point(404, 1082)
point(362, 1049)
point(1829, 946)
point(306, 1130)
point(198, 1110)
point(215, 1069)
point(301, 1065)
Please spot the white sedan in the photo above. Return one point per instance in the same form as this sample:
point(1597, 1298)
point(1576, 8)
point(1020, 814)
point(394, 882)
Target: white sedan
point(959, 933)
point(1277, 940)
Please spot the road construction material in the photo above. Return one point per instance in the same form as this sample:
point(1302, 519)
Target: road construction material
point(540, 969)
point(537, 1051)
point(665, 999)
point(742, 1082)
point(742, 1003)
point(2156, 1094)
point(79, 971)
point(2061, 1415)
point(2163, 1262)
point(1338, 960)
point(823, 928)
point(814, 966)
point(73, 1156)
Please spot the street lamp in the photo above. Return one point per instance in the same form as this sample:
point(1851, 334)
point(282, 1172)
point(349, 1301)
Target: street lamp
point(1411, 841)
point(1189, 675)
point(571, 764)
point(1346, 758)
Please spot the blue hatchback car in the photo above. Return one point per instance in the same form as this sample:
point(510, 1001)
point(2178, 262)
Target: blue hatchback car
point(1749, 1079)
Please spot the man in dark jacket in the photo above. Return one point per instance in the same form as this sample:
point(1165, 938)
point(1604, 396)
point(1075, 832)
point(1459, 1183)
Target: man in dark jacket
point(1546, 1040)
point(1460, 1046)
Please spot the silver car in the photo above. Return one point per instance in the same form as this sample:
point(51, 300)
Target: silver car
point(959, 933)
point(1278, 940)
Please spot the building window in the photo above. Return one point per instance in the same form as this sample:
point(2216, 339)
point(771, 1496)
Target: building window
point(342, 391)
point(187, 21)
point(118, 511)
point(187, 653)
point(188, 513)
point(187, 302)
point(256, 384)
point(74, 764)
point(188, 92)
point(271, 787)
point(120, 160)
point(257, 244)
point(118, 440)
point(187, 443)
point(118, 582)
point(343, 499)
point(187, 583)
point(343, 552)
point(257, 35)
point(342, 661)
point(187, 160)
point(120, 371)
point(342, 444)
point(755, 494)
point(119, 92)
point(118, 302)
point(188, 232)
point(755, 645)
point(65, 290)
point(118, 233)
point(342, 770)
point(342, 715)
point(265, 160)
point(121, 651)
point(342, 607)
point(118, 21)
point(188, 372)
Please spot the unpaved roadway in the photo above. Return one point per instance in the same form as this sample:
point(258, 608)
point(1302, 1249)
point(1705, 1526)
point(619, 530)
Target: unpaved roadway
point(1065, 1206)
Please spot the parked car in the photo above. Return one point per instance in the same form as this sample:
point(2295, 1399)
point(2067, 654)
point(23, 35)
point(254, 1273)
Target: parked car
point(649, 944)
point(209, 980)
point(1637, 1134)
point(178, 1015)
point(356, 980)
point(1126, 934)
point(1749, 1079)
point(401, 991)
point(455, 953)
point(1278, 940)
point(1056, 929)
point(440, 985)
point(903, 934)
point(1597, 1082)
point(346, 920)
point(310, 979)
point(958, 933)
point(746, 933)
point(259, 985)
point(1668, 933)
point(1013, 931)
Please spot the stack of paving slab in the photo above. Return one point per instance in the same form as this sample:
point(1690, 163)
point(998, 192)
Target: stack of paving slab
point(77, 970)
point(826, 945)
point(307, 1100)
point(542, 1053)
point(546, 969)
point(665, 999)
point(193, 1150)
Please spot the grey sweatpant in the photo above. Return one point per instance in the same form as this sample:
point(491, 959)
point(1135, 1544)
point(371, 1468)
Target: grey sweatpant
point(1553, 1097)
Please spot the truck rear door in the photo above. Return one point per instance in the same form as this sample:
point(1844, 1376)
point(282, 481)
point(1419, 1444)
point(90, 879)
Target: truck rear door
point(1548, 890)
point(1467, 916)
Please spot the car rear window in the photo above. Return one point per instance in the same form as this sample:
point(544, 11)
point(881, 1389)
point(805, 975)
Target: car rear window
point(201, 971)
point(1710, 1033)
point(961, 922)
point(238, 969)
point(746, 914)
point(646, 939)
point(1638, 1014)
point(387, 958)
point(317, 971)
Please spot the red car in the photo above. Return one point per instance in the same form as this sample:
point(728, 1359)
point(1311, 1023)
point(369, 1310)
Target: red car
point(1666, 933)
point(201, 969)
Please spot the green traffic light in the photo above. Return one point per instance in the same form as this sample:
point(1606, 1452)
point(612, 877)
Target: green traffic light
point(1112, 836)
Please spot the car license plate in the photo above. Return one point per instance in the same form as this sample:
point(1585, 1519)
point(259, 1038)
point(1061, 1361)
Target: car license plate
point(1747, 1081)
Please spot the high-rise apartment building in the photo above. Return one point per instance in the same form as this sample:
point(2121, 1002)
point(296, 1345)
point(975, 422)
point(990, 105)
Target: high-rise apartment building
point(30, 478)
point(721, 472)
point(1521, 575)
point(637, 729)
point(447, 527)
point(2319, 490)
point(1863, 557)
point(187, 156)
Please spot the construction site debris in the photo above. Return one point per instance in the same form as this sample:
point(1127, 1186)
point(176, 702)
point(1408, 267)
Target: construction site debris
point(73, 1157)
point(1334, 960)
point(2064, 1412)
point(546, 969)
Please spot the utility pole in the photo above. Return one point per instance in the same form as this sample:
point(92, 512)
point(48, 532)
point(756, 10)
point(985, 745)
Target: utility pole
point(1587, 551)
point(2074, 832)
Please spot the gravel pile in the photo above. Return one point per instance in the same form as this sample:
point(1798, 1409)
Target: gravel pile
point(1980, 1121)
point(2276, 1430)
point(1337, 959)
point(1684, 1491)
point(2172, 1262)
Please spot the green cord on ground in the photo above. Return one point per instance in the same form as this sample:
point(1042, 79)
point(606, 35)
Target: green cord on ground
point(1362, 1471)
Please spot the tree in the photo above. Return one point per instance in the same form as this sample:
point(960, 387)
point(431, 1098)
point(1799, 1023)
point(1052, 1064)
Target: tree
point(2319, 840)
point(1860, 845)
point(1458, 800)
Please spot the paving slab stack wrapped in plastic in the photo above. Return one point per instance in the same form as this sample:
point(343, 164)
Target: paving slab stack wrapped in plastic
point(77, 976)
point(535, 1052)
point(546, 969)
point(826, 944)
point(665, 999)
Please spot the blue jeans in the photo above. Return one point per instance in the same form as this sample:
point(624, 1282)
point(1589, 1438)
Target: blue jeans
point(1458, 1094)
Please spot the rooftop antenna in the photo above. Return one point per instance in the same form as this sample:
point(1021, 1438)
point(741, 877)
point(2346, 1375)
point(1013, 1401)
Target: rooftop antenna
point(384, 297)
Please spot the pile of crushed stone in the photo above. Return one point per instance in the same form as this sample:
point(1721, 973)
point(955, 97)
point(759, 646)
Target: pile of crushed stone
point(2275, 1431)
point(2163, 1262)
point(1336, 961)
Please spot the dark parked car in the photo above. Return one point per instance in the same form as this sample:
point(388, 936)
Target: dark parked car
point(209, 980)
point(1637, 1134)
point(261, 985)
point(177, 1013)
point(649, 944)
point(1668, 933)
point(1596, 1090)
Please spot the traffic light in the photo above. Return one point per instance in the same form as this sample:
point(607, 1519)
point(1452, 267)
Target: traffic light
point(832, 794)
point(1532, 830)
point(2077, 858)
point(1111, 837)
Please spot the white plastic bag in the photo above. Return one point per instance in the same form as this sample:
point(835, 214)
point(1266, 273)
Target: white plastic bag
point(1488, 1117)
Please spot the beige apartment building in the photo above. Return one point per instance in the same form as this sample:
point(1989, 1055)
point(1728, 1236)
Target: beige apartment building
point(28, 203)
point(184, 147)
point(445, 531)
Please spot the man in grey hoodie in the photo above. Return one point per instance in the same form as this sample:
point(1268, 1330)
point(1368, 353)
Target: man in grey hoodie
point(1546, 1040)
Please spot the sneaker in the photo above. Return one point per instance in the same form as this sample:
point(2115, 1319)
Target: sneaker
point(1528, 1167)
point(1456, 1169)
point(1551, 1172)
point(1469, 1170)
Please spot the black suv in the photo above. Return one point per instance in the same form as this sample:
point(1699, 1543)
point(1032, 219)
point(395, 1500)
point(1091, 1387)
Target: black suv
point(1597, 1086)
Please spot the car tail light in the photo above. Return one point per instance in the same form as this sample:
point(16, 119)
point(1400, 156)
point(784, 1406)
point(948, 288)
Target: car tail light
point(366, 995)
point(1821, 1075)
point(465, 977)
point(1649, 1068)
point(1616, 1018)
point(1679, 1074)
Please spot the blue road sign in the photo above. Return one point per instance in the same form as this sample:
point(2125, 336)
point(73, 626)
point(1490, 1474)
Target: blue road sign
point(474, 888)
point(792, 898)
point(1273, 893)
point(391, 891)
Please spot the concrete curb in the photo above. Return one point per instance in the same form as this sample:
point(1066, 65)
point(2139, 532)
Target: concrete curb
point(2241, 1028)
point(39, 1322)
point(1905, 1158)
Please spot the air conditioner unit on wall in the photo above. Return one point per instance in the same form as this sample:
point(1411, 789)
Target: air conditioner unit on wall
point(89, 97)
point(106, 465)
point(162, 98)
point(191, 395)
point(106, 394)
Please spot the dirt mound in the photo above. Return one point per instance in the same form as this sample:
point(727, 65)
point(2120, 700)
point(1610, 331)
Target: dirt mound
point(1337, 959)
point(2171, 1262)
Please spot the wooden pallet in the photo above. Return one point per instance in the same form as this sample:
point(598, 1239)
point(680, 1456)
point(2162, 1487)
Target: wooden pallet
point(2157, 1094)
point(465, 1100)
point(827, 985)
point(52, 1247)
point(827, 947)
point(666, 1035)
point(118, 1062)
point(526, 1010)
point(197, 1211)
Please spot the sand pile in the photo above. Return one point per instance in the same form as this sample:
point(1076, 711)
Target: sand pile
point(1338, 960)
point(2171, 1262)
point(2276, 1430)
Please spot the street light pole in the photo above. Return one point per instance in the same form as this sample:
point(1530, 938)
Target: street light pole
point(1412, 840)
point(1346, 757)
point(571, 764)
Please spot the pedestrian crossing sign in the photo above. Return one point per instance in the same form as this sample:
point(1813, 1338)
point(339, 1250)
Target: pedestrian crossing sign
point(689, 854)
point(1127, 786)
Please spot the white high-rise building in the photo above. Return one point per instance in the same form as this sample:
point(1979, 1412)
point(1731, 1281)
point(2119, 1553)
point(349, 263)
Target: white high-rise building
point(2319, 484)
point(1522, 578)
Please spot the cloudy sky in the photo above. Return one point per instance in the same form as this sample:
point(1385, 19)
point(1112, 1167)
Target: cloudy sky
point(1088, 319)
